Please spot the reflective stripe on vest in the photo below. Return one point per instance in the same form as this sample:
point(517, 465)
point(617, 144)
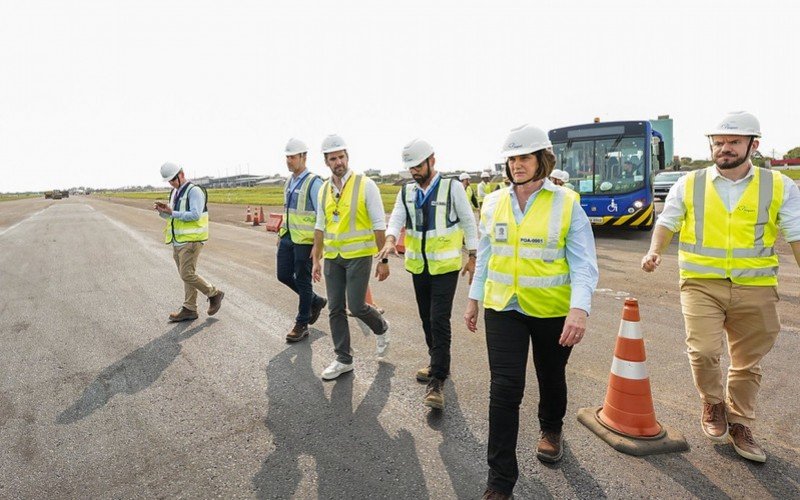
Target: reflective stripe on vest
point(440, 245)
point(739, 244)
point(531, 262)
point(300, 218)
point(352, 235)
point(186, 231)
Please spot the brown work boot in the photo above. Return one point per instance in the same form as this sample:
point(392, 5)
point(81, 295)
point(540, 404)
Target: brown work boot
point(434, 398)
point(714, 422)
point(424, 374)
point(550, 447)
point(183, 315)
point(215, 302)
point(298, 333)
point(315, 310)
point(745, 444)
point(491, 494)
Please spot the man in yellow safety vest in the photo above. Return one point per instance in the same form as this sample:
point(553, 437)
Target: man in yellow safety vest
point(728, 216)
point(349, 230)
point(296, 238)
point(437, 217)
point(187, 230)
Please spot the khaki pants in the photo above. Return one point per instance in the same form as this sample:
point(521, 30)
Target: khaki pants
point(186, 259)
point(713, 308)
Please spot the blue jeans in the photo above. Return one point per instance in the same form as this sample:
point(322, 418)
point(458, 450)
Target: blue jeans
point(294, 271)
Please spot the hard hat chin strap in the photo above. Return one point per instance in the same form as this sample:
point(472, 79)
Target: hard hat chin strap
point(511, 178)
point(749, 145)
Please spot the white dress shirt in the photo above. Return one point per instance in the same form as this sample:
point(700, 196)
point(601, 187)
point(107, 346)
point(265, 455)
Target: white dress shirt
point(462, 211)
point(374, 203)
point(731, 192)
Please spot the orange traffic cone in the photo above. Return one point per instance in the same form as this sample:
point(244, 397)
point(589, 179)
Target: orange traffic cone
point(627, 419)
point(371, 302)
point(401, 242)
point(256, 220)
point(248, 218)
point(629, 404)
point(261, 214)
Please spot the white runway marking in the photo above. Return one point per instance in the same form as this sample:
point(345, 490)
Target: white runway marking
point(8, 229)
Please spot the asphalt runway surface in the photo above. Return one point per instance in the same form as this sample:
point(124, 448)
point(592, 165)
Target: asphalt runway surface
point(101, 397)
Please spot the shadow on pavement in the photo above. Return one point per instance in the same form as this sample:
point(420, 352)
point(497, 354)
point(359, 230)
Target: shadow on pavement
point(579, 479)
point(354, 456)
point(459, 447)
point(684, 473)
point(131, 374)
point(778, 476)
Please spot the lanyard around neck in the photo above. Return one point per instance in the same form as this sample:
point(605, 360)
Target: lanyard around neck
point(422, 199)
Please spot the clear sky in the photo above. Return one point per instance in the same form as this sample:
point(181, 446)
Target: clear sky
point(100, 93)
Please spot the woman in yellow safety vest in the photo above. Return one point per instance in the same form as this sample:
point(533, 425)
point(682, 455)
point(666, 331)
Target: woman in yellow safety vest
point(535, 274)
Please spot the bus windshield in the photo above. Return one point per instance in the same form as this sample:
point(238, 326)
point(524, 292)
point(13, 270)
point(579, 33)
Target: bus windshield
point(609, 166)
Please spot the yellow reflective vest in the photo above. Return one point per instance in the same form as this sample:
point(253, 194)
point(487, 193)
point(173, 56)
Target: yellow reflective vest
point(738, 245)
point(300, 214)
point(348, 228)
point(186, 231)
point(440, 244)
point(472, 196)
point(529, 260)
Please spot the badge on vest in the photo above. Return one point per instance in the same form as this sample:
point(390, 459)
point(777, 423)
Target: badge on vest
point(501, 232)
point(335, 217)
point(419, 217)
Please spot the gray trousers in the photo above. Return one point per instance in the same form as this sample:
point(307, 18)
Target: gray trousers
point(346, 283)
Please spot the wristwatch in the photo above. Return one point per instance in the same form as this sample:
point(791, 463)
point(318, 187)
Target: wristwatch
point(384, 260)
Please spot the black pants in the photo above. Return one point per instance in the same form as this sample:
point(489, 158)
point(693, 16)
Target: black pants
point(435, 303)
point(294, 271)
point(508, 335)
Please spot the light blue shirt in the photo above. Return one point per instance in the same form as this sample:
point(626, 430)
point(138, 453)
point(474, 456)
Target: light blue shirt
point(731, 192)
point(197, 201)
point(580, 250)
point(313, 188)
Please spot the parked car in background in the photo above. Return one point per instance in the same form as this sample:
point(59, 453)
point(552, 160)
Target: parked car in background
point(664, 181)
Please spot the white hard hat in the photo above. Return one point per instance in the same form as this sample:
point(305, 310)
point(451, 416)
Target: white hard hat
point(525, 140)
point(333, 143)
point(738, 123)
point(415, 152)
point(606, 186)
point(295, 147)
point(169, 171)
point(560, 175)
point(486, 175)
point(464, 177)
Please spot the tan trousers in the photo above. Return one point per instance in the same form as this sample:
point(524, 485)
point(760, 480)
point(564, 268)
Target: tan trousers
point(186, 260)
point(713, 308)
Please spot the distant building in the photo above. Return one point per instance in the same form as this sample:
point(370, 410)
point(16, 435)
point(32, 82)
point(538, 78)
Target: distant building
point(242, 180)
point(786, 163)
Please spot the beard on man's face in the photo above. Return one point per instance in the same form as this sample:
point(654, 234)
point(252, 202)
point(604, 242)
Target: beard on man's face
point(728, 161)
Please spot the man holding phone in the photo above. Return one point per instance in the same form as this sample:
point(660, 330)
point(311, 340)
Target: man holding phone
point(187, 229)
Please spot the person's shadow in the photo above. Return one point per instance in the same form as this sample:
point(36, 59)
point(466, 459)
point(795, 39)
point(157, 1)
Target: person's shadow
point(131, 374)
point(354, 456)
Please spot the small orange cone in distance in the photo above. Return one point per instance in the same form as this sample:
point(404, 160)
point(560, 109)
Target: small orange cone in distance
point(628, 407)
point(248, 218)
point(256, 220)
point(261, 214)
point(371, 302)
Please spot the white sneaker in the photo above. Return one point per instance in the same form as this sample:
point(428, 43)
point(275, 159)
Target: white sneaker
point(335, 369)
point(382, 342)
